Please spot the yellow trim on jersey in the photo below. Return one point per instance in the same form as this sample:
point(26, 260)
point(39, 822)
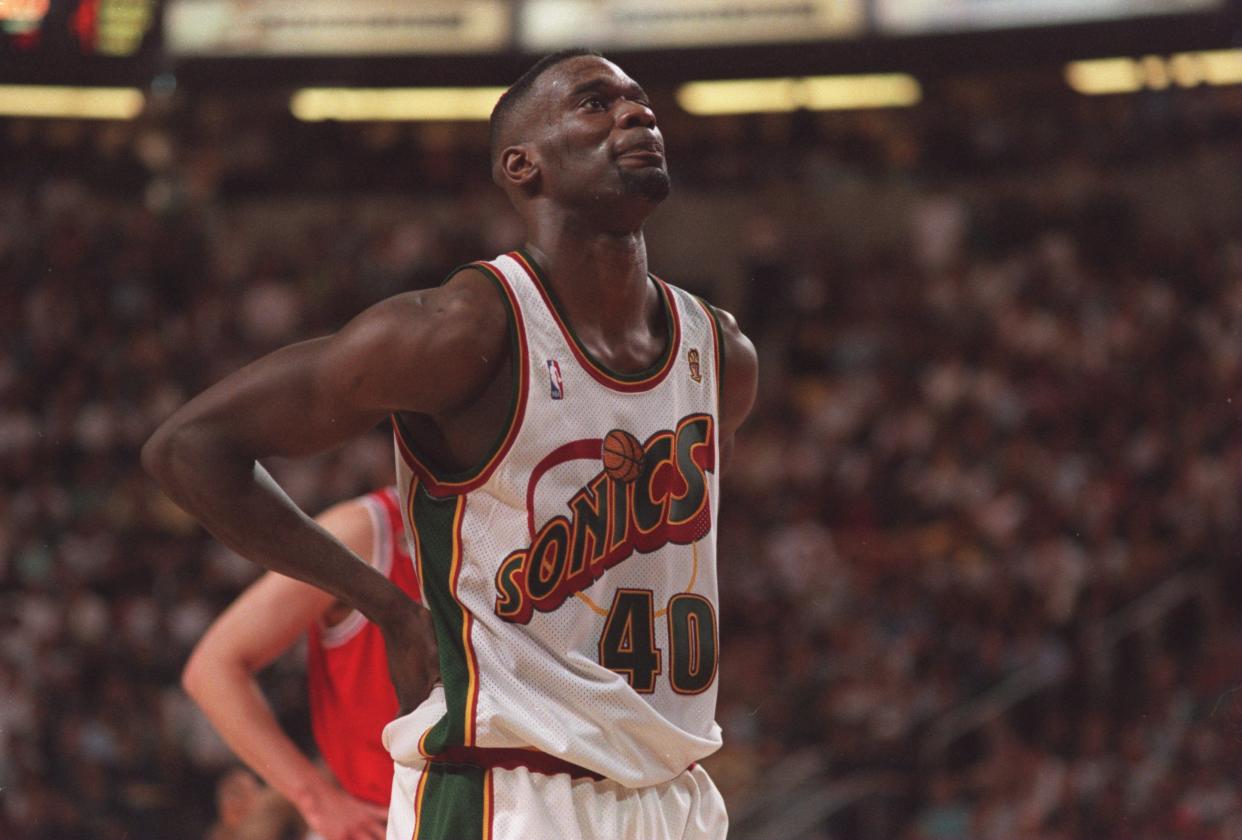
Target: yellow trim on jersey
point(488, 804)
point(694, 575)
point(418, 799)
point(414, 541)
point(595, 608)
point(472, 668)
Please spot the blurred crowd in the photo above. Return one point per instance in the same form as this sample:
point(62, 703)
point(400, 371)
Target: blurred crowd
point(979, 438)
point(968, 458)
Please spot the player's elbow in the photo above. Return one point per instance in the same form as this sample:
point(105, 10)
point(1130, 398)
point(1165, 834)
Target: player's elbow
point(177, 448)
point(158, 453)
point(194, 676)
point(216, 672)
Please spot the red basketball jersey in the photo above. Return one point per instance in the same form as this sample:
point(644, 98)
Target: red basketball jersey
point(351, 696)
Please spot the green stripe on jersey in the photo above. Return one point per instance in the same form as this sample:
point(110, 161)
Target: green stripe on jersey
point(452, 806)
point(435, 521)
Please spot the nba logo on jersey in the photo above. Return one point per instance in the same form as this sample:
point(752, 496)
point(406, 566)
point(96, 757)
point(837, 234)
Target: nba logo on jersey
point(554, 379)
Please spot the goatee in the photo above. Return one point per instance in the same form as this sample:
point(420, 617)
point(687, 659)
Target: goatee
point(652, 183)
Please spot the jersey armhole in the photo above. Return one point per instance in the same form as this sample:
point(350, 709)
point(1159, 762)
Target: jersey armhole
point(441, 483)
point(718, 335)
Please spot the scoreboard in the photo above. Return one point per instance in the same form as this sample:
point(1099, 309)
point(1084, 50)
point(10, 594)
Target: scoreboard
point(336, 28)
point(204, 28)
point(232, 42)
point(112, 28)
point(546, 25)
point(912, 17)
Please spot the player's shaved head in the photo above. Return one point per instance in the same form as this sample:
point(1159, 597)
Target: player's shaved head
point(506, 116)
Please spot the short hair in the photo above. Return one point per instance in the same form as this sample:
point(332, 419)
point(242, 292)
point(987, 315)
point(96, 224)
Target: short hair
point(511, 98)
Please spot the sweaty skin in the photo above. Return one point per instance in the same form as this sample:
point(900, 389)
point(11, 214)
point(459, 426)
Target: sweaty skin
point(583, 163)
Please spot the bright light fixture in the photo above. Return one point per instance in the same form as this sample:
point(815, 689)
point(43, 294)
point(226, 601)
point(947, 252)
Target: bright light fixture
point(1222, 67)
point(1155, 72)
point(838, 93)
point(1104, 75)
point(390, 104)
point(89, 103)
point(1128, 75)
point(1186, 69)
point(814, 93)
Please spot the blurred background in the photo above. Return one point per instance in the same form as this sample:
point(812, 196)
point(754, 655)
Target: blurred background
point(980, 540)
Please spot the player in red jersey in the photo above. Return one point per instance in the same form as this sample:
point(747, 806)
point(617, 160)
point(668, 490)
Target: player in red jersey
point(351, 697)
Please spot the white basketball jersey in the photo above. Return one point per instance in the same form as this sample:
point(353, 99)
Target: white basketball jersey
point(573, 589)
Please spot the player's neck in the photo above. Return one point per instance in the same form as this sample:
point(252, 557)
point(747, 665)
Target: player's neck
point(600, 278)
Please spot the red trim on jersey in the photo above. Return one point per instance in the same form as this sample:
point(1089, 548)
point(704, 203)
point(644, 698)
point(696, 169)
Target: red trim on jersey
point(350, 695)
point(598, 373)
point(472, 661)
point(439, 487)
point(584, 449)
point(716, 348)
point(511, 758)
point(391, 503)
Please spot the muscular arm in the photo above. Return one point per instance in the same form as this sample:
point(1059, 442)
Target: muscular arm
point(427, 352)
point(741, 382)
point(258, 627)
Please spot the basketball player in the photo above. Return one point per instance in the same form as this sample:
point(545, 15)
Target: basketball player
point(351, 697)
point(561, 418)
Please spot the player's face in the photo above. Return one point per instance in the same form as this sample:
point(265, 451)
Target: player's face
point(599, 138)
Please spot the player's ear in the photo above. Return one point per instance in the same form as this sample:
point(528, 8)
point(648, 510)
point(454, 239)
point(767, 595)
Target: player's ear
point(518, 168)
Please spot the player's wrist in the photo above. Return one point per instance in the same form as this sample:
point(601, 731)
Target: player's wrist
point(393, 612)
point(308, 794)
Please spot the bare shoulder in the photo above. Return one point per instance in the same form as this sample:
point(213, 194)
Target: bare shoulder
point(424, 351)
point(467, 309)
point(741, 373)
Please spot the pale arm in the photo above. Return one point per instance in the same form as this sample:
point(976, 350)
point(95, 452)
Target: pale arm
point(264, 622)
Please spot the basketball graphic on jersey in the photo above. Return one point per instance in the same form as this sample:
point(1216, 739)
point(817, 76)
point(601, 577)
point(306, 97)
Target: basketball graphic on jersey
point(581, 556)
point(622, 455)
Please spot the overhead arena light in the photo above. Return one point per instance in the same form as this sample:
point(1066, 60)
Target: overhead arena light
point(1154, 72)
point(392, 104)
point(1222, 67)
point(1104, 75)
point(837, 93)
point(88, 103)
point(814, 93)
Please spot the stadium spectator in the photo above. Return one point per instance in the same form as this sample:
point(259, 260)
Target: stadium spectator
point(993, 418)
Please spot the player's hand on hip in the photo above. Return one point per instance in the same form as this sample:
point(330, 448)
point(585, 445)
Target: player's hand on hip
point(335, 815)
point(413, 664)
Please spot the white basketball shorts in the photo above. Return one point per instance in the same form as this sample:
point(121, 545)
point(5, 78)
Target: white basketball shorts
point(446, 800)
